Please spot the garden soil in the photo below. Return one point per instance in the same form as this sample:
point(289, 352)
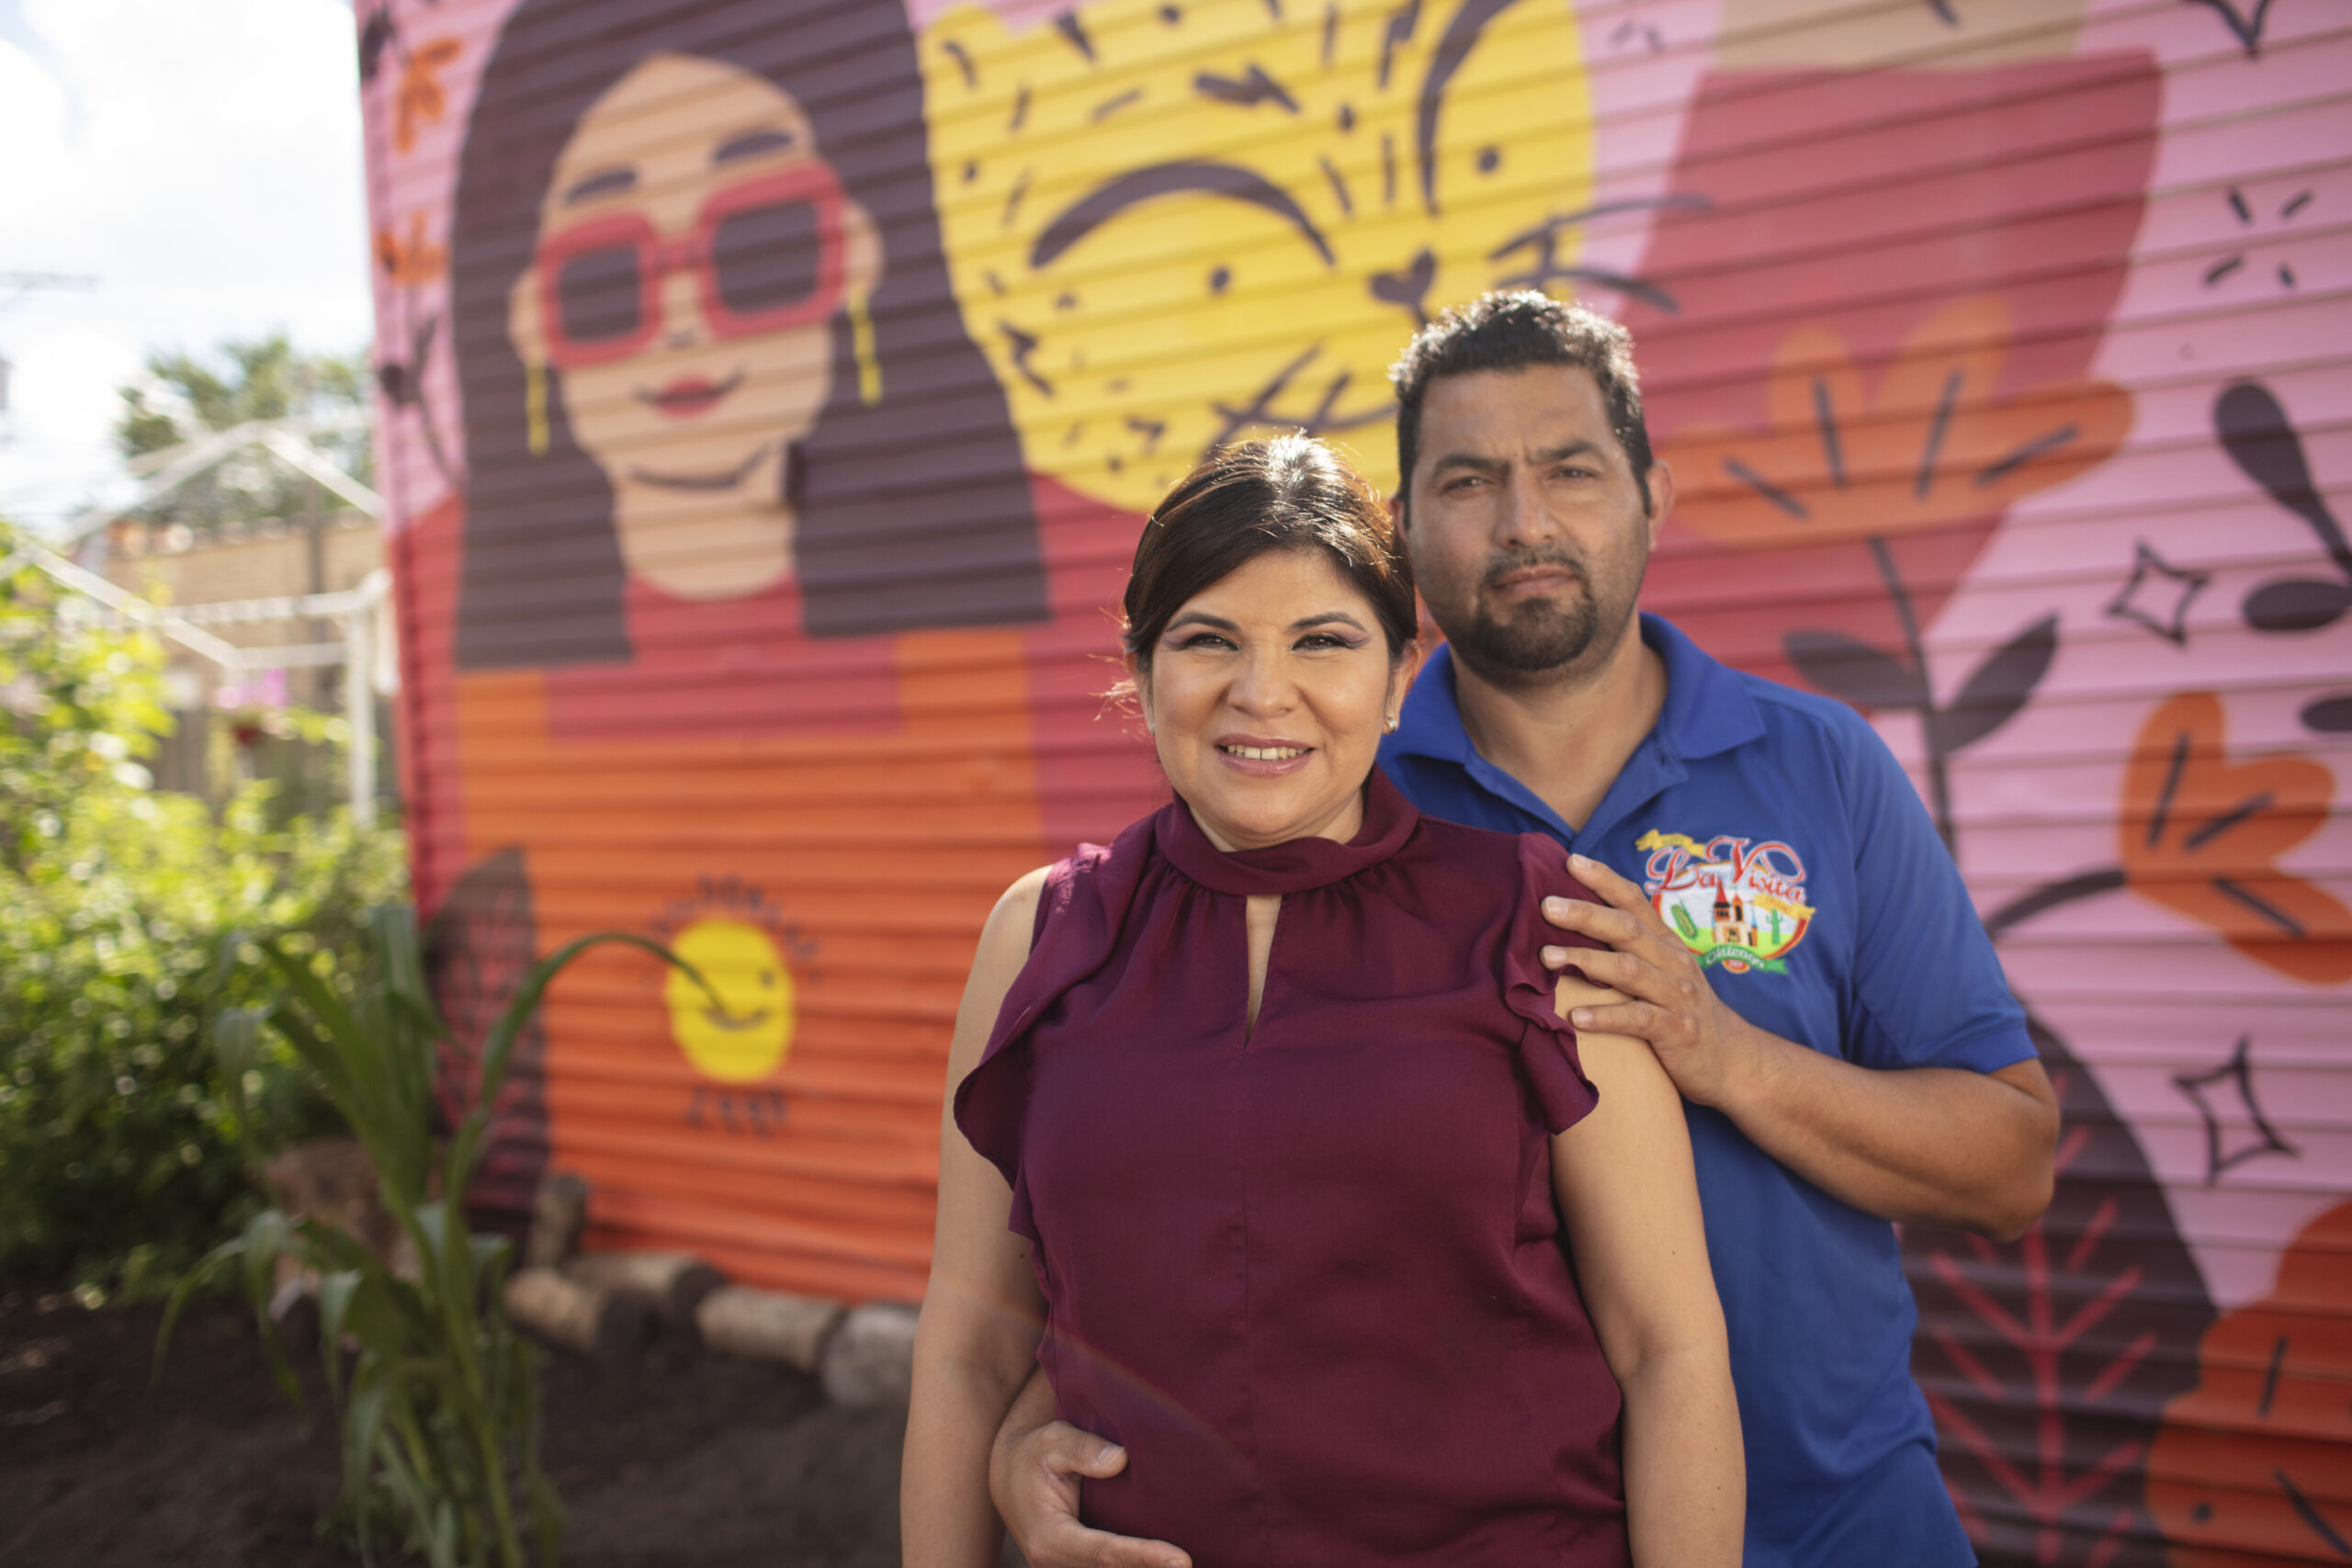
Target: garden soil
point(694, 1458)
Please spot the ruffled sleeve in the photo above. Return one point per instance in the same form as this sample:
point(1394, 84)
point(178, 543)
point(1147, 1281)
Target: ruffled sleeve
point(1079, 912)
point(1548, 1045)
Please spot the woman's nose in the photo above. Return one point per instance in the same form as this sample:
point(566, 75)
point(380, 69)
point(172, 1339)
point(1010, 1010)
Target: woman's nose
point(1261, 687)
point(682, 324)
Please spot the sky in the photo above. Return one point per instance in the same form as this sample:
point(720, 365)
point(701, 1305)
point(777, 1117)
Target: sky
point(202, 161)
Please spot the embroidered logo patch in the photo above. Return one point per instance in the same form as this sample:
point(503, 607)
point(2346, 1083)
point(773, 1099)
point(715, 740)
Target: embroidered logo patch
point(1732, 901)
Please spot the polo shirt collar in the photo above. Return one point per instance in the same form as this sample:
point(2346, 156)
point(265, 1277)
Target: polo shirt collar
point(1707, 710)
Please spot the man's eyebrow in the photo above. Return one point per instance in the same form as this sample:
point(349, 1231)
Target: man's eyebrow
point(751, 144)
point(604, 182)
point(1484, 465)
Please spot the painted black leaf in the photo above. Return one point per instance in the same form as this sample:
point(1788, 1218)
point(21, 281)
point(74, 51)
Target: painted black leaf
point(394, 377)
point(2049, 1360)
point(1998, 688)
point(2329, 715)
point(1855, 670)
point(2260, 439)
point(2297, 605)
point(375, 37)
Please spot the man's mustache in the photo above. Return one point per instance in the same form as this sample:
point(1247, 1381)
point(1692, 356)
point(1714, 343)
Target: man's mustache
point(1552, 556)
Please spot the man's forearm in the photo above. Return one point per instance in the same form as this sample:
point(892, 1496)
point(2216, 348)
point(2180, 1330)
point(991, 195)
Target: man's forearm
point(1927, 1144)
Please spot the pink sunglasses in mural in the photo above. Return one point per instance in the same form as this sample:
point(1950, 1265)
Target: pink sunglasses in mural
point(767, 253)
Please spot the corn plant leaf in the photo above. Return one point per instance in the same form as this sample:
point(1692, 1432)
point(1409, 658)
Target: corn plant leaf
point(336, 1293)
point(269, 1235)
point(500, 1047)
point(196, 1279)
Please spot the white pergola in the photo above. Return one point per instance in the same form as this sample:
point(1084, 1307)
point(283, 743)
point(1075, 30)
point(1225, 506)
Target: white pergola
point(365, 648)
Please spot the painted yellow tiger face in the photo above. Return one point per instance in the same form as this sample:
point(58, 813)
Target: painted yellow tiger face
point(1176, 223)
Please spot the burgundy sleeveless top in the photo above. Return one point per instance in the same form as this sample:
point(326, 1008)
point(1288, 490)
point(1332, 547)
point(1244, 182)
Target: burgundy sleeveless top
point(1309, 1274)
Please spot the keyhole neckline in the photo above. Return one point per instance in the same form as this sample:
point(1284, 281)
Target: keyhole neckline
point(1299, 865)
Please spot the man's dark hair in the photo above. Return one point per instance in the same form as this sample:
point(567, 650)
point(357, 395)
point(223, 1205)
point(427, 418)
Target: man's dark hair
point(1509, 330)
point(1258, 498)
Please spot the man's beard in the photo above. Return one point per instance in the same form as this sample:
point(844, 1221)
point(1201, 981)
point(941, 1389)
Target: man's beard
point(1539, 637)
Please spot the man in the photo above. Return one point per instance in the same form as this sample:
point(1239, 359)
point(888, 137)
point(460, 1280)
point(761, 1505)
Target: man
point(1836, 1020)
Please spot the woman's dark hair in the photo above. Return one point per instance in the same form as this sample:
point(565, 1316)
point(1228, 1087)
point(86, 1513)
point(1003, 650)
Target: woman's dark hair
point(913, 513)
point(1256, 498)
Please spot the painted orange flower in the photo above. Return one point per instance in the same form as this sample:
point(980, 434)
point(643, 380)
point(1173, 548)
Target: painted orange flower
point(2201, 835)
point(1929, 446)
point(420, 97)
point(413, 260)
point(2248, 1470)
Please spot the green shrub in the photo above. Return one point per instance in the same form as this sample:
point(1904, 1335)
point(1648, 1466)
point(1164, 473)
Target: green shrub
point(119, 1147)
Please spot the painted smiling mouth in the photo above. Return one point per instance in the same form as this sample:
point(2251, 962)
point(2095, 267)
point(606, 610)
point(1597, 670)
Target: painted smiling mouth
point(689, 395)
point(1264, 753)
point(732, 1023)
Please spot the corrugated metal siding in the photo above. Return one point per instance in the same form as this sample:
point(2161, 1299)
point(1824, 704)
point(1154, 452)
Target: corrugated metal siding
point(2000, 348)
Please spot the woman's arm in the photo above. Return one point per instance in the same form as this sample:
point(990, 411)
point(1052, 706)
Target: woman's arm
point(976, 1342)
point(1631, 1200)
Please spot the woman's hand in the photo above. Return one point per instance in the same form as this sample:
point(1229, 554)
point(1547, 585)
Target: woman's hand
point(1630, 1197)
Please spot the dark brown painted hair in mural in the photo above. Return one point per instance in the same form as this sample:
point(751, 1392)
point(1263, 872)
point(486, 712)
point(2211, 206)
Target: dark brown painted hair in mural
point(912, 512)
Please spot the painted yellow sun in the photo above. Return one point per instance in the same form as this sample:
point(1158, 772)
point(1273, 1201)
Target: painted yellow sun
point(1174, 223)
point(742, 1034)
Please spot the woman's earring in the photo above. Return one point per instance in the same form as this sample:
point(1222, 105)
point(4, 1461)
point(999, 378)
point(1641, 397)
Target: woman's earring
point(535, 406)
point(1389, 727)
point(869, 363)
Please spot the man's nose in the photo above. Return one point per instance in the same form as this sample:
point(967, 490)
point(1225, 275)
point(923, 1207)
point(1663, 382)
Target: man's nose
point(1524, 516)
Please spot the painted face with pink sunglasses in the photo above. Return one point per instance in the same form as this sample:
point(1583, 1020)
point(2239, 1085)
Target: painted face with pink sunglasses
point(695, 250)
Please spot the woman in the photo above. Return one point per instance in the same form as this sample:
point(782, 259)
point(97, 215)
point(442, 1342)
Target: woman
point(1286, 1125)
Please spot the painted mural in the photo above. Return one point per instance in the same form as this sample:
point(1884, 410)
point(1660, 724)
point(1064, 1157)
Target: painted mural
point(772, 390)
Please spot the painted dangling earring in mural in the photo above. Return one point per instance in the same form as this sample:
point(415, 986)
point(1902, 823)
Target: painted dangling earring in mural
point(869, 363)
point(535, 406)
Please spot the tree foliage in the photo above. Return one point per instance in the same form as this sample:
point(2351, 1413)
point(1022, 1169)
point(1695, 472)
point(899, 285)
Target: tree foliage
point(120, 909)
point(182, 397)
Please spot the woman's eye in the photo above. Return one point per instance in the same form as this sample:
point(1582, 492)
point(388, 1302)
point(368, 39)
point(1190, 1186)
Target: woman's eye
point(1323, 640)
point(1204, 639)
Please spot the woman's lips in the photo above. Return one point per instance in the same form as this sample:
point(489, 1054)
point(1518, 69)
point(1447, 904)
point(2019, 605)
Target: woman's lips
point(691, 395)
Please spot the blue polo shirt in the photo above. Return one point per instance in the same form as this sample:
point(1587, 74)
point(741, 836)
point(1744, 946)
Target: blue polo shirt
point(1780, 838)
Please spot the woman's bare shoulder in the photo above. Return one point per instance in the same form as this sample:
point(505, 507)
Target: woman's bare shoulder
point(1014, 923)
